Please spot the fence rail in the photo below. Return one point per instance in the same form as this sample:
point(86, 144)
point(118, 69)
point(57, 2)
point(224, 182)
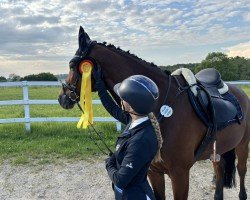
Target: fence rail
point(26, 102)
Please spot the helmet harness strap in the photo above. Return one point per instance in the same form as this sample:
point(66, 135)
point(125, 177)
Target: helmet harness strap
point(131, 112)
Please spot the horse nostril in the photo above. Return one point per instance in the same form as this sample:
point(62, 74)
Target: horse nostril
point(61, 101)
point(65, 102)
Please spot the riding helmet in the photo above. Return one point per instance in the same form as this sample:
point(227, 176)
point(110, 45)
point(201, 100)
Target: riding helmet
point(140, 92)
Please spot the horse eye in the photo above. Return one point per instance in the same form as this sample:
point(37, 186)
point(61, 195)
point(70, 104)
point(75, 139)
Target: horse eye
point(71, 65)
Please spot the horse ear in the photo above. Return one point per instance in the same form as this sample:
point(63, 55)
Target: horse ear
point(80, 34)
point(87, 38)
point(81, 30)
point(83, 38)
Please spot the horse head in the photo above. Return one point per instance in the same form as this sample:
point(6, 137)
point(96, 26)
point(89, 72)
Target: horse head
point(70, 92)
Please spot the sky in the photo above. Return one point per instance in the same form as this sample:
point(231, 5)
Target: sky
point(42, 35)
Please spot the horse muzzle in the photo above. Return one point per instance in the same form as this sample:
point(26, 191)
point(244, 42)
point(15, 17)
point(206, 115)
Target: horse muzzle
point(65, 101)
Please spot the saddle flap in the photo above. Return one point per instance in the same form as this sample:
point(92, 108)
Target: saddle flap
point(224, 110)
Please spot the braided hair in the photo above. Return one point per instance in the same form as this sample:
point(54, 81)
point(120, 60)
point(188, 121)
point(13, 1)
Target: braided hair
point(157, 129)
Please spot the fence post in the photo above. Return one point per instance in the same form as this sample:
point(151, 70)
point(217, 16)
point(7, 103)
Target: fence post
point(26, 105)
point(118, 126)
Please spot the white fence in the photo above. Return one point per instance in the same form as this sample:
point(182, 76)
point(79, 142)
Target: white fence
point(26, 102)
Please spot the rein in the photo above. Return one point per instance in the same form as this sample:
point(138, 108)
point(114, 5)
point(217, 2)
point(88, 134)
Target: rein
point(98, 134)
point(75, 98)
point(180, 90)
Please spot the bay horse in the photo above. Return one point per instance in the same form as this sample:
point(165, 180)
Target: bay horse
point(182, 132)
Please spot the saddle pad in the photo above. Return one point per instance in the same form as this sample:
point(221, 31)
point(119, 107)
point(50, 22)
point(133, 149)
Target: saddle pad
point(203, 116)
point(191, 80)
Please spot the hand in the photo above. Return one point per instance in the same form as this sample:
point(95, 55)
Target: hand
point(107, 161)
point(111, 160)
point(97, 73)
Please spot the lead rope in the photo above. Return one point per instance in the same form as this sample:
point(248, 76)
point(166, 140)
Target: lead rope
point(76, 100)
point(160, 116)
point(98, 134)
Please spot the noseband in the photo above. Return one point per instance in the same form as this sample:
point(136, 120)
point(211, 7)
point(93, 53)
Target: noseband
point(73, 95)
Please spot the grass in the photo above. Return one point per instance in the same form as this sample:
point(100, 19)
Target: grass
point(246, 89)
point(49, 142)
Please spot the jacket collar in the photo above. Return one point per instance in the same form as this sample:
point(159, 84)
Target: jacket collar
point(138, 121)
point(133, 131)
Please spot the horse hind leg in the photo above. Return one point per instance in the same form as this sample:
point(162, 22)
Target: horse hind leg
point(157, 181)
point(219, 176)
point(242, 154)
point(225, 173)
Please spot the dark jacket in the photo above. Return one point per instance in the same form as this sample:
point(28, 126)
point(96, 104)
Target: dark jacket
point(135, 149)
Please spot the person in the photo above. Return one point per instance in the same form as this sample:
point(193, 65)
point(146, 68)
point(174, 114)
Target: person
point(140, 142)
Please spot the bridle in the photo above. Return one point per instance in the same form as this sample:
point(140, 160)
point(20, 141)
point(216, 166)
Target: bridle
point(74, 96)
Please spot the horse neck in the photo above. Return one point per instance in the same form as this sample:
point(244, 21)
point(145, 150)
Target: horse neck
point(117, 66)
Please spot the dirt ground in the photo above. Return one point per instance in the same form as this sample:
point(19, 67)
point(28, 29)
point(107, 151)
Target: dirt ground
point(88, 180)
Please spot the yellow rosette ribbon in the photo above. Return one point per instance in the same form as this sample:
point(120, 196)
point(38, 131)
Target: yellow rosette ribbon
point(86, 95)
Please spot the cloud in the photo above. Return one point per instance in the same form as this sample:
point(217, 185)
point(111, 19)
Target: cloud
point(25, 67)
point(246, 16)
point(242, 49)
point(46, 31)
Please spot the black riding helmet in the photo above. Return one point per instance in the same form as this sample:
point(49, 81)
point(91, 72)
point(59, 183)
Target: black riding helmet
point(140, 92)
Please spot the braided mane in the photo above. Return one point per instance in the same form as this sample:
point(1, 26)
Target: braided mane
point(122, 52)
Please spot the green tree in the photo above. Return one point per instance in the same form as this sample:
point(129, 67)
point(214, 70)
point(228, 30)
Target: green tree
point(222, 63)
point(172, 68)
point(40, 77)
point(13, 77)
point(3, 79)
point(230, 68)
point(243, 66)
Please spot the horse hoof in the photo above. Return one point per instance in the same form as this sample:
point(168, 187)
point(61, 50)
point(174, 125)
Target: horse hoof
point(243, 196)
point(218, 196)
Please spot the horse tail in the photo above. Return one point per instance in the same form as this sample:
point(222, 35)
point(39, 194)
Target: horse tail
point(229, 173)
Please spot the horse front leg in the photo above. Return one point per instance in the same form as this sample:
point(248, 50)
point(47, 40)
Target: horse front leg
point(157, 181)
point(180, 183)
